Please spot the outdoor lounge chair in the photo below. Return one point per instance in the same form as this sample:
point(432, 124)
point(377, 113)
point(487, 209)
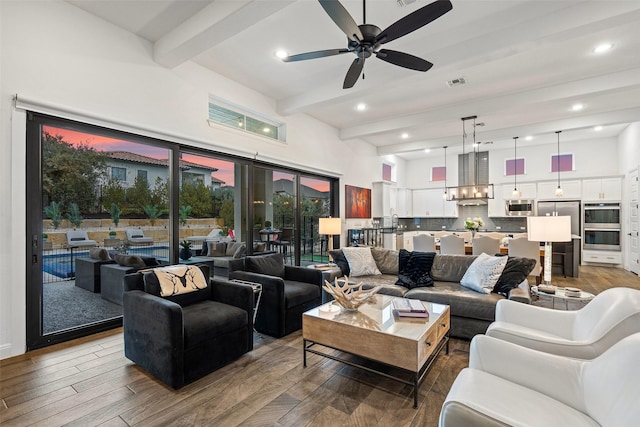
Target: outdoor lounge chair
point(136, 236)
point(78, 239)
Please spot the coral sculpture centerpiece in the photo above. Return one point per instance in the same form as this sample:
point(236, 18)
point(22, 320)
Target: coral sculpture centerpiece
point(349, 296)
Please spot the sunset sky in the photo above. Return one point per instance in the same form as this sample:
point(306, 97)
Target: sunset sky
point(225, 168)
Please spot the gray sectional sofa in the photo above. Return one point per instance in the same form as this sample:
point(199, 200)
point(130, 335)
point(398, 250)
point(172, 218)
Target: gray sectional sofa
point(471, 311)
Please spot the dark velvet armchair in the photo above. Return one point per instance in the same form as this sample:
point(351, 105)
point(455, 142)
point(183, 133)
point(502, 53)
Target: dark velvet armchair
point(287, 291)
point(181, 338)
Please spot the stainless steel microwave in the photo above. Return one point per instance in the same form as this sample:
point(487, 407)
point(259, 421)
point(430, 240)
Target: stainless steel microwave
point(519, 207)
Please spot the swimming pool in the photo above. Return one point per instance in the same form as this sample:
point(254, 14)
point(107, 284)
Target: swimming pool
point(62, 263)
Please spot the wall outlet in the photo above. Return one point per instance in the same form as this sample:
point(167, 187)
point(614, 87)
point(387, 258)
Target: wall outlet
point(523, 228)
point(498, 227)
point(417, 225)
point(444, 227)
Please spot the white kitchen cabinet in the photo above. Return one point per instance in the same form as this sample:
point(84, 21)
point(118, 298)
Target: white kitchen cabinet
point(495, 206)
point(431, 203)
point(404, 202)
point(383, 199)
point(572, 189)
point(602, 189)
point(601, 257)
point(528, 191)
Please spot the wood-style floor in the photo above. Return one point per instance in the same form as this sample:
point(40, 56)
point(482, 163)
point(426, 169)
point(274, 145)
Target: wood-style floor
point(89, 382)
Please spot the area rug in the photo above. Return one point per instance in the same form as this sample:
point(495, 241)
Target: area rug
point(66, 306)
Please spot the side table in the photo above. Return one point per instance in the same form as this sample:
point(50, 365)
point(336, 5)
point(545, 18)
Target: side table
point(257, 293)
point(560, 295)
point(330, 272)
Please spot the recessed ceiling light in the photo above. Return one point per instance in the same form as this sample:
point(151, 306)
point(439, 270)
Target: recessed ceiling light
point(427, 150)
point(528, 138)
point(601, 48)
point(405, 135)
point(598, 128)
point(361, 106)
point(281, 54)
point(266, 130)
point(577, 107)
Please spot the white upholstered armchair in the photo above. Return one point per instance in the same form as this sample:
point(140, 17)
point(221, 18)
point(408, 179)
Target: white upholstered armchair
point(507, 384)
point(586, 333)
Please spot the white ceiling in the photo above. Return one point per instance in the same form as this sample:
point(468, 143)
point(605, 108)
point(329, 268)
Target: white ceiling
point(526, 62)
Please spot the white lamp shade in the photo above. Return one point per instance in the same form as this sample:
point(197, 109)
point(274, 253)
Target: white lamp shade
point(330, 226)
point(549, 228)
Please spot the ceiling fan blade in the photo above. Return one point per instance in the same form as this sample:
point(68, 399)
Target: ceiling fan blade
point(404, 60)
point(313, 55)
point(414, 20)
point(342, 18)
point(354, 73)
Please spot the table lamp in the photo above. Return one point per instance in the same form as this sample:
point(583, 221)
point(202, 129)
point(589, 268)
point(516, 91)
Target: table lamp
point(330, 227)
point(548, 229)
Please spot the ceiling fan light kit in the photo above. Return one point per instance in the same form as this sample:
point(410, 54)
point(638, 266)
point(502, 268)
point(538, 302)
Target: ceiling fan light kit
point(366, 39)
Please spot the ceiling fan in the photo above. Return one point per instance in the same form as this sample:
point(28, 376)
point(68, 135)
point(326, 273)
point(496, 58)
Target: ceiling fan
point(365, 40)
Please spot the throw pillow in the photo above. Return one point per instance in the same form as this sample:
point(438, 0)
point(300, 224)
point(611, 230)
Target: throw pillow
point(232, 247)
point(130, 260)
point(240, 251)
point(514, 273)
point(483, 273)
point(386, 260)
point(361, 262)
point(216, 248)
point(341, 261)
point(174, 280)
point(415, 268)
point(259, 247)
point(99, 253)
point(271, 265)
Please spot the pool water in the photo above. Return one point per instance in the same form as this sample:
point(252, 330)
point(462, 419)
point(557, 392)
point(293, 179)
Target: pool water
point(63, 264)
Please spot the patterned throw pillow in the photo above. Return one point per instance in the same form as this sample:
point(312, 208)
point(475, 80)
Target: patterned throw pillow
point(483, 273)
point(361, 262)
point(174, 280)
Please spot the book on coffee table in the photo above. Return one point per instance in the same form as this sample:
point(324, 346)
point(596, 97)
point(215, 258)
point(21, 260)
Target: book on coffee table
point(410, 308)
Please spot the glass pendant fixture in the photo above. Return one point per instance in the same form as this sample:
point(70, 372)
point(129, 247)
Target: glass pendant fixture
point(516, 192)
point(559, 191)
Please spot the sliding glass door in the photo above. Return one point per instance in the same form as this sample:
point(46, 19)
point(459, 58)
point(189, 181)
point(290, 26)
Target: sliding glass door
point(93, 193)
point(97, 197)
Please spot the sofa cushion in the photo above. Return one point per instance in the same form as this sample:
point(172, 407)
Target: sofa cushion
point(208, 319)
point(99, 253)
point(341, 261)
point(463, 302)
point(387, 260)
point(483, 273)
point(130, 260)
point(514, 273)
point(298, 293)
point(361, 262)
point(240, 251)
point(414, 269)
point(451, 268)
point(271, 265)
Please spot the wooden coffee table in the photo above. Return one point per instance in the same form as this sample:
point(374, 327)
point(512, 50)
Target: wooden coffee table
point(375, 333)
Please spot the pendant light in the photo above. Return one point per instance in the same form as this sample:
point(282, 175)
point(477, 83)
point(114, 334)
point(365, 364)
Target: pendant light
point(515, 192)
point(559, 191)
point(444, 195)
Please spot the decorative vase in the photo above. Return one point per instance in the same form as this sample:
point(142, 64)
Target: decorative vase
point(473, 233)
point(185, 253)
